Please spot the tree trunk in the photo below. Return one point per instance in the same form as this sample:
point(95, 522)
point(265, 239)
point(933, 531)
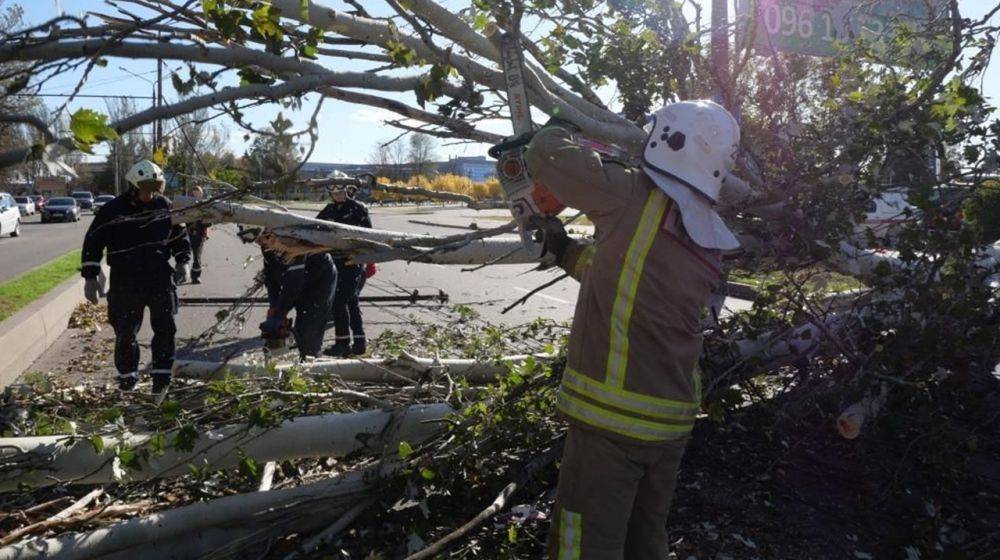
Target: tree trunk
point(234, 523)
point(308, 436)
point(388, 370)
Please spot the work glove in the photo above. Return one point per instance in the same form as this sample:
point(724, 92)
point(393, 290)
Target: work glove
point(272, 326)
point(554, 237)
point(92, 290)
point(182, 275)
point(370, 270)
point(248, 235)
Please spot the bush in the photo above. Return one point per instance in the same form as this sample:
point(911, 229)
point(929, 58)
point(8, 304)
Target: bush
point(447, 182)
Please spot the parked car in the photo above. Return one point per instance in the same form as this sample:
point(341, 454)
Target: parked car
point(889, 212)
point(10, 216)
point(62, 209)
point(84, 198)
point(101, 200)
point(39, 201)
point(25, 205)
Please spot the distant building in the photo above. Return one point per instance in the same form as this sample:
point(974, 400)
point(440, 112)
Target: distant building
point(477, 168)
point(52, 186)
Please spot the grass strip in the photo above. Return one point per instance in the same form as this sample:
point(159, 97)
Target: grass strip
point(26, 288)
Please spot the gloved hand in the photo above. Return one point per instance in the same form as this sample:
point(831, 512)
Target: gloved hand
point(182, 275)
point(92, 290)
point(554, 236)
point(272, 326)
point(370, 270)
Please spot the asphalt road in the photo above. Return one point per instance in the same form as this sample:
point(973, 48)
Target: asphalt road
point(229, 267)
point(39, 243)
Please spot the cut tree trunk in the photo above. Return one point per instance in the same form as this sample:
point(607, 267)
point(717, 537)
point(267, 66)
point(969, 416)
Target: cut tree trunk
point(64, 459)
point(231, 524)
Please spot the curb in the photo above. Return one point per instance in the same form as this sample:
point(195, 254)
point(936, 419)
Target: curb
point(27, 334)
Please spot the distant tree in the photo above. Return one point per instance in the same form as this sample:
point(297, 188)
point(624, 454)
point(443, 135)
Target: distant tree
point(388, 159)
point(422, 154)
point(273, 153)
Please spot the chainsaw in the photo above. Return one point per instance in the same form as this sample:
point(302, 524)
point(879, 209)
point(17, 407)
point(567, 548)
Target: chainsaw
point(276, 341)
point(528, 200)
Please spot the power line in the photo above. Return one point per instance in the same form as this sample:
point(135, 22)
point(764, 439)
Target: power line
point(91, 95)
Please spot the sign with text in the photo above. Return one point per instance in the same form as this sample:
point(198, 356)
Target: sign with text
point(815, 27)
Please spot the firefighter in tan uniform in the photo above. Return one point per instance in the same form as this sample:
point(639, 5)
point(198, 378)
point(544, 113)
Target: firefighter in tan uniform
point(631, 388)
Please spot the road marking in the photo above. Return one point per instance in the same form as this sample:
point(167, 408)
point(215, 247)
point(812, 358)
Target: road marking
point(555, 299)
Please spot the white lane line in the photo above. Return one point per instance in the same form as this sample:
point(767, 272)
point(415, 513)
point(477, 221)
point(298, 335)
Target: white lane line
point(555, 299)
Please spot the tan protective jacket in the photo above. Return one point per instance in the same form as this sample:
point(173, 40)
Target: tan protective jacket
point(636, 336)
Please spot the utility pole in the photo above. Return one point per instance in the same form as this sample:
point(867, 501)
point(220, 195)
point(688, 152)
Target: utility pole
point(720, 49)
point(159, 100)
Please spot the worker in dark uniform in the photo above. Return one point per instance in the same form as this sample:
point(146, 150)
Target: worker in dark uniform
point(305, 284)
point(348, 324)
point(136, 230)
point(198, 233)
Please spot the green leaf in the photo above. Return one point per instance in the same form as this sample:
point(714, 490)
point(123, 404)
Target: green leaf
point(157, 444)
point(98, 443)
point(90, 127)
point(512, 533)
point(248, 466)
point(170, 409)
point(427, 474)
point(405, 449)
point(185, 438)
point(304, 10)
point(111, 415)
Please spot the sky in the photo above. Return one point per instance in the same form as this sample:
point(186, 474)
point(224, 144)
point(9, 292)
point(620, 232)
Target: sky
point(347, 133)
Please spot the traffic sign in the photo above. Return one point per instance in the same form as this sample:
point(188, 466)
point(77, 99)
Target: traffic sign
point(816, 27)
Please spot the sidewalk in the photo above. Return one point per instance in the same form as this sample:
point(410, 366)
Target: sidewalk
point(26, 335)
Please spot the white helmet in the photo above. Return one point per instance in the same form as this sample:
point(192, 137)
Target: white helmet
point(694, 142)
point(690, 150)
point(146, 176)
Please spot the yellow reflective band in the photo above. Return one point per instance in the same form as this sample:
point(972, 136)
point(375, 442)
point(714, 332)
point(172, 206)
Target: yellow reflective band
point(583, 262)
point(643, 430)
point(653, 407)
point(570, 533)
point(628, 285)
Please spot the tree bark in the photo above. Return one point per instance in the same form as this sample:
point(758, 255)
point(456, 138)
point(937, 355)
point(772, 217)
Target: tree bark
point(403, 369)
point(306, 436)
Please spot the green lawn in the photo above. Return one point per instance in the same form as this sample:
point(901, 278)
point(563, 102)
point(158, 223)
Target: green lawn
point(26, 288)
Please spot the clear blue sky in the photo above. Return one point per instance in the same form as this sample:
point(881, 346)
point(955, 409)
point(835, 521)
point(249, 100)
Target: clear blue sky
point(348, 132)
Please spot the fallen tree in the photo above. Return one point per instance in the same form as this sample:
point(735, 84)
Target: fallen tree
point(226, 526)
point(65, 459)
point(404, 368)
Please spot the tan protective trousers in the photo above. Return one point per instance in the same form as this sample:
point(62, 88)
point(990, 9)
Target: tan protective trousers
point(613, 498)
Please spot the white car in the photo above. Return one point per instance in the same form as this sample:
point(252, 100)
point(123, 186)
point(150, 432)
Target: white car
point(25, 205)
point(889, 212)
point(101, 200)
point(10, 216)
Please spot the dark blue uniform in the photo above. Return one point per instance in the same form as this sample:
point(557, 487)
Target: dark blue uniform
point(139, 239)
point(348, 323)
point(305, 284)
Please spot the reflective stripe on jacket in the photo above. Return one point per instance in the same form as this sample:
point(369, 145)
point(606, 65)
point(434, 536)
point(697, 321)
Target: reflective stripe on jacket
point(636, 336)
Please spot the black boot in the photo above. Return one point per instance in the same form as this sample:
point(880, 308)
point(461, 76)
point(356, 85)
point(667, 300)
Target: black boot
point(160, 384)
point(128, 381)
point(360, 347)
point(339, 350)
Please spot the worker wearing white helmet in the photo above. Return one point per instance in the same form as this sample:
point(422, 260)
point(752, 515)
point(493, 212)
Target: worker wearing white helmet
point(631, 388)
point(136, 231)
